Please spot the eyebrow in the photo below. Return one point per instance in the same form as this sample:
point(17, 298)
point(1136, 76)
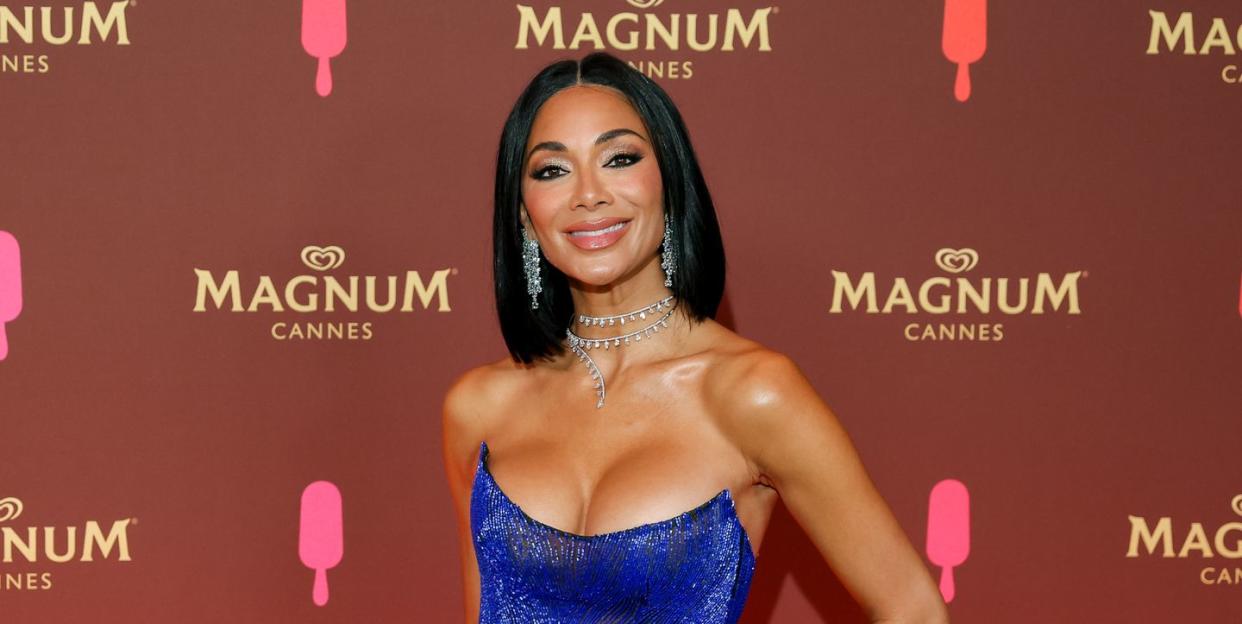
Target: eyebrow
point(557, 146)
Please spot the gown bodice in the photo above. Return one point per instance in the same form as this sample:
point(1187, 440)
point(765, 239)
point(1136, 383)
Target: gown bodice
point(695, 567)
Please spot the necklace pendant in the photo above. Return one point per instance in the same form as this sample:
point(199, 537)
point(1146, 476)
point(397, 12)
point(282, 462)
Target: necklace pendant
point(581, 345)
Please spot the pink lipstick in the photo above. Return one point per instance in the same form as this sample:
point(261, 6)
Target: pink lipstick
point(597, 234)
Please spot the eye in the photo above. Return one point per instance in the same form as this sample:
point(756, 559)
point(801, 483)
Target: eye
point(538, 174)
point(628, 159)
point(633, 158)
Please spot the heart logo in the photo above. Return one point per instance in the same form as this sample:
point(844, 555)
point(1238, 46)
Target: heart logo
point(10, 508)
point(323, 258)
point(957, 260)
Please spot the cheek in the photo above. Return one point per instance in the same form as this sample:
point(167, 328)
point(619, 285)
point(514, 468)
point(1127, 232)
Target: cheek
point(644, 187)
point(541, 202)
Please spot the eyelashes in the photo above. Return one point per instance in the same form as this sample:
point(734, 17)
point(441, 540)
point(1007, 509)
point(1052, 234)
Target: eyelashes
point(633, 159)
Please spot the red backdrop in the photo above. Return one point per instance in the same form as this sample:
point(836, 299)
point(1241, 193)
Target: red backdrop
point(187, 139)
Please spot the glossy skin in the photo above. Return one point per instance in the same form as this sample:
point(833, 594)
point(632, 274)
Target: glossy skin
point(689, 411)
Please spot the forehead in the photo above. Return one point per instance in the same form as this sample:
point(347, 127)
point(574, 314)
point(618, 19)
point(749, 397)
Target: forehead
point(579, 113)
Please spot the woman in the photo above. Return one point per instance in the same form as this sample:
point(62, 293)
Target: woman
point(579, 466)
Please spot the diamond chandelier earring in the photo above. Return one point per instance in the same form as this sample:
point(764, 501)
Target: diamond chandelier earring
point(530, 262)
point(668, 256)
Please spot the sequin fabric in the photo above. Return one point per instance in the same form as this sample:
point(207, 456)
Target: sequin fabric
point(694, 568)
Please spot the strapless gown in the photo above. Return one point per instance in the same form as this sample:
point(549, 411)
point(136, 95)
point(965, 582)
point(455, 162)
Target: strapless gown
point(694, 568)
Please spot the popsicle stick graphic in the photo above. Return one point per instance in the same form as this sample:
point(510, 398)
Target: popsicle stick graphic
point(948, 531)
point(323, 37)
point(321, 540)
point(10, 286)
point(964, 39)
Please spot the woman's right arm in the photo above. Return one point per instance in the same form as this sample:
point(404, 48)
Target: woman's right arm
point(462, 433)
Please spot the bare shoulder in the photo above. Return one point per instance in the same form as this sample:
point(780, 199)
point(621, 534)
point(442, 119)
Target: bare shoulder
point(753, 366)
point(475, 390)
point(794, 443)
point(472, 404)
point(767, 406)
point(746, 375)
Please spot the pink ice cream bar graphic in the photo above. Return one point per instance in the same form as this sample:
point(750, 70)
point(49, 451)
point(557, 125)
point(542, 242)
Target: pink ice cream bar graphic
point(10, 286)
point(1239, 303)
point(323, 37)
point(964, 39)
point(321, 540)
point(948, 531)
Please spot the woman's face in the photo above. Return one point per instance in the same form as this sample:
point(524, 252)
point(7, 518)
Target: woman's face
point(590, 165)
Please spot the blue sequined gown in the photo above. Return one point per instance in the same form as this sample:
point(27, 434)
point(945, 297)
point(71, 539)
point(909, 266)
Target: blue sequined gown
point(694, 568)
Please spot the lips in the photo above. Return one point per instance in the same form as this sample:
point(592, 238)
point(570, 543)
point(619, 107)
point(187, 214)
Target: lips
point(597, 234)
point(597, 224)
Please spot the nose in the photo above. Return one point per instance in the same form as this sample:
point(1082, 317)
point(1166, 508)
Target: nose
point(590, 190)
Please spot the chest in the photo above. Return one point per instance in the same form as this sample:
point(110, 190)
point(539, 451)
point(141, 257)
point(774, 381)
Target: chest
point(696, 564)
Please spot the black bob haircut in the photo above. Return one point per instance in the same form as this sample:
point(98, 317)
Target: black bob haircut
point(698, 283)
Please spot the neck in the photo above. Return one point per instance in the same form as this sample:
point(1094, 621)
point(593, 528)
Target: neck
point(637, 290)
point(644, 287)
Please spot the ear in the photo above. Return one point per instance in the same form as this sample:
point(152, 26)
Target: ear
point(524, 220)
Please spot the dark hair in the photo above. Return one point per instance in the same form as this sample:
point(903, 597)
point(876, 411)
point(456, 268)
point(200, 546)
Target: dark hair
point(698, 283)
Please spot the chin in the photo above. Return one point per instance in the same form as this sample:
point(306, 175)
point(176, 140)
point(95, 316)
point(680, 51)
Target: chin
point(597, 276)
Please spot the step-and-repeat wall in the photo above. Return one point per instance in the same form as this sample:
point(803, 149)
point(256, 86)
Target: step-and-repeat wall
point(246, 246)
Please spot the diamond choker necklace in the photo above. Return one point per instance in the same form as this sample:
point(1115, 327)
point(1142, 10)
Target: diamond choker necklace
point(581, 345)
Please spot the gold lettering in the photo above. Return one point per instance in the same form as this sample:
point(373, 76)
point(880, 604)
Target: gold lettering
point(1044, 288)
point(92, 18)
point(265, 293)
point(1217, 37)
point(758, 24)
point(1219, 541)
point(1183, 30)
point(27, 548)
point(334, 292)
point(586, 30)
point(692, 27)
point(900, 294)
point(438, 286)
point(24, 28)
point(218, 292)
point(49, 543)
point(1139, 530)
point(529, 22)
point(924, 301)
point(842, 285)
point(392, 294)
point(45, 16)
point(966, 290)
point(94, 537)
point(666, 34)
point(1002, 299)
point(312, 301)
point(613, 22)
point(1195, 540)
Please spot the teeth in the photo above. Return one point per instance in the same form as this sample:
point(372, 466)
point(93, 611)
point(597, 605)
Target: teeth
point(612, 228)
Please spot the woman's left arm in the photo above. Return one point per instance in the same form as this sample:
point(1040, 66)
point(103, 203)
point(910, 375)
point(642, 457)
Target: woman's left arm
point(800, 448)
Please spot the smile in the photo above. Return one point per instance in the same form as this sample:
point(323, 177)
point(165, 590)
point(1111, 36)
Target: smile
point(598, 239)
point(612, 228)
